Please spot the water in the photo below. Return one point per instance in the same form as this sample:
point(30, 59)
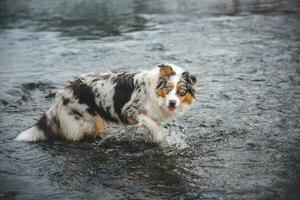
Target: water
point(240, 141)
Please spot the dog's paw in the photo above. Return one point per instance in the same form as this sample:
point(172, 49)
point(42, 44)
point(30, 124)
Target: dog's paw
point(157, 138)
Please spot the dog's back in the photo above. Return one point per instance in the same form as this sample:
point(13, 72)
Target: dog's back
point(86, 106)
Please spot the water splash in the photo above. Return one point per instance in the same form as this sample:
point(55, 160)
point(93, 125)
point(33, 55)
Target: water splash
point(175, 138)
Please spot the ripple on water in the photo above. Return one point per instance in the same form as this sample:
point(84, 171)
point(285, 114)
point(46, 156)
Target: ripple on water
point(240, 139)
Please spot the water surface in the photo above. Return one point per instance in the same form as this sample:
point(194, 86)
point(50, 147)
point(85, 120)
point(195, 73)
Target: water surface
point(240, 141)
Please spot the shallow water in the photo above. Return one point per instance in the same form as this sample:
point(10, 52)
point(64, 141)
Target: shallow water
point(240, 141)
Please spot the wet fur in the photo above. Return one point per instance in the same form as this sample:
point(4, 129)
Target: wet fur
point(90, 103)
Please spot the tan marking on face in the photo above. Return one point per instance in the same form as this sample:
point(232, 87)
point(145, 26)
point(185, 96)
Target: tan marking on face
point(165, 71)
point(162, 92)
point(99, 126)
point(187, 98)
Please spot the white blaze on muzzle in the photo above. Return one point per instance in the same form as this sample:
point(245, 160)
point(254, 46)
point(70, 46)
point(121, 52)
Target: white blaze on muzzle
point(171, 97)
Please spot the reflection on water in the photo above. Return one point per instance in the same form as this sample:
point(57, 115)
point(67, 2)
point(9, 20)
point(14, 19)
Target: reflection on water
point(97, 18)
point(240, 140)
point(77, 18)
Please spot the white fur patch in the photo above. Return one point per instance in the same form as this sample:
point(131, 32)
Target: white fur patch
point(31, 135)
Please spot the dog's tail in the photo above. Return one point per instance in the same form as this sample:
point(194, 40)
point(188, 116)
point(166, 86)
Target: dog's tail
point(38, 132)
point(31, 135)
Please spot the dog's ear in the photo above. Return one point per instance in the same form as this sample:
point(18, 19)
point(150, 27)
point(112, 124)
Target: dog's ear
point(190, 78)
point(165, 71)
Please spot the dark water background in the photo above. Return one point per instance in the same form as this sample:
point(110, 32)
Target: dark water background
point(241, 140)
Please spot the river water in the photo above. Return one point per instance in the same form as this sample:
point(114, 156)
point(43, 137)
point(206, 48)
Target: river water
point(241, 139)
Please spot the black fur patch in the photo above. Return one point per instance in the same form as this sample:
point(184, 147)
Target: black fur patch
point(75, 112)
point(85, 95)
point(66, 101)
point(125, 86)
point(47, 125)
point(43, 125)
point(105, 113)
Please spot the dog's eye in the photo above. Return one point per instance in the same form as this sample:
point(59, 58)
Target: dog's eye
point(182, 92)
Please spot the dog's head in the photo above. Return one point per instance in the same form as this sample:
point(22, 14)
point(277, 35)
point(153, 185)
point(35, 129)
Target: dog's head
point(175, 89)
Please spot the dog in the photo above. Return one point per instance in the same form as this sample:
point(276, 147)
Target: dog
point(90, 103)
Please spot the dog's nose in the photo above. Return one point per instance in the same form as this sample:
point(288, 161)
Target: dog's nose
point(172, 103)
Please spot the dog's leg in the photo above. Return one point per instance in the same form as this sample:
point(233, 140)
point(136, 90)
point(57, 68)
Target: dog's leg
point(130, 111)
point(99, 127)
point(152, 126)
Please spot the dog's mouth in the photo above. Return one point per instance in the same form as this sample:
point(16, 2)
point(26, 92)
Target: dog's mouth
point(171, 108)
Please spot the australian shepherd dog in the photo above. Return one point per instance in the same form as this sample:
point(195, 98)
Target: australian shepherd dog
point(90, 103)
